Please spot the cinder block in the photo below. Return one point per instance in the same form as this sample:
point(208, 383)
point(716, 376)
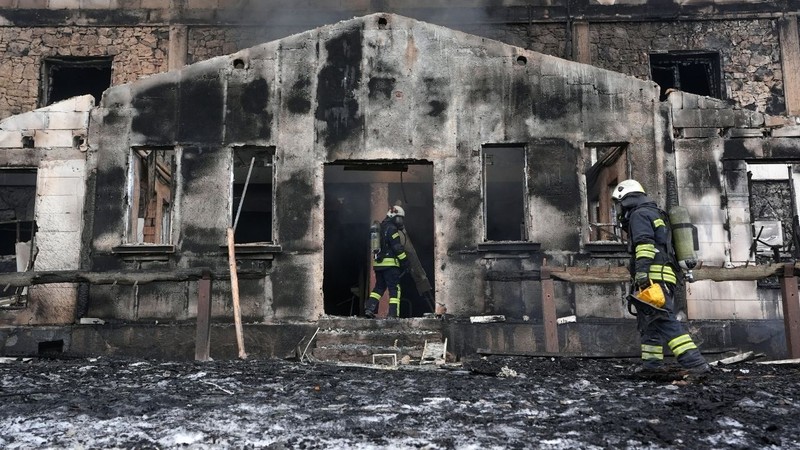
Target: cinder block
point(790, 131)
point(58, 250)
point(62, 169)
point(52, 138)
point(80, 103)
point(68, 120)
point(98, 4)
point(10, 139)
point(700, 133)
point(58, 205)
point(64, 4)
point(749, 309)
point(32, 4)
point(710, 309)
point(27, 121)
point(202, 4)
point(49, 186)
point(59, 223)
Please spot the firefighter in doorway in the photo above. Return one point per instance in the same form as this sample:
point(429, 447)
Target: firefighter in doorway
point(654, 268)
point(389, 263)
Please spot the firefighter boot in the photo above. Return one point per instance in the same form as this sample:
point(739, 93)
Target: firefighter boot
point(393, 313)
point(370, 308)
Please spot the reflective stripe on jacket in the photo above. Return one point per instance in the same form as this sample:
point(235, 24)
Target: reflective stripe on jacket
point(393, 253)
point(651, 241)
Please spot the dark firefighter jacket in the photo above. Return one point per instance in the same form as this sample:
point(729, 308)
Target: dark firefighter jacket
point(393, 253)
point(650, 239)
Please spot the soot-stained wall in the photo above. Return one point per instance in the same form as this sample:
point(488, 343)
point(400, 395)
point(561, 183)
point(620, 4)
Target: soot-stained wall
point(380, 87)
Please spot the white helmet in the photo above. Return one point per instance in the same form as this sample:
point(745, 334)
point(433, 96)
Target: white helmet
point(626, 187)
point(396, 211)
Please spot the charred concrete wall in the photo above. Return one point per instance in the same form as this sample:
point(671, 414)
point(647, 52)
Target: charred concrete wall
point(382, 87)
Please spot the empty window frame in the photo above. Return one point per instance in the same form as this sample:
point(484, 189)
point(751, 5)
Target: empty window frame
point(605, 166)
point(67, 77)
point(150, 195)
point(693, 72)
point(504, 189)
point(253, 181)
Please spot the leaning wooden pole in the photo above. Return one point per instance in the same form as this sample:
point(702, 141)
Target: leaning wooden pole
point(237, 314)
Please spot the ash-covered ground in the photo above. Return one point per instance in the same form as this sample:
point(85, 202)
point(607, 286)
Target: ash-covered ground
point(550, 403)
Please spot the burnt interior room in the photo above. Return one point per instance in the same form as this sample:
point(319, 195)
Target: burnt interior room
point(356, 193)
point(252, 181)
point(695, 72)
point(17, 226)
point(67, 77)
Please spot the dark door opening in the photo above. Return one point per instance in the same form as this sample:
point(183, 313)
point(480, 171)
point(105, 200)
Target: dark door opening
point(356, 193)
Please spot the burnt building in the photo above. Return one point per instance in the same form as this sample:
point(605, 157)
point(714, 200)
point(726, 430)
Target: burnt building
point(502, 156)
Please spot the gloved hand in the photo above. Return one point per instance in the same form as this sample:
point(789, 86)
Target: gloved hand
point(641, 280)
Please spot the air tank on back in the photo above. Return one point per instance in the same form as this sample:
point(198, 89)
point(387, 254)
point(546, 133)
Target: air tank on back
point(684, 238)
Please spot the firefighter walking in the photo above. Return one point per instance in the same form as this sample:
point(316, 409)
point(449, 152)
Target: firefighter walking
point(655, 274)
point(389, 262)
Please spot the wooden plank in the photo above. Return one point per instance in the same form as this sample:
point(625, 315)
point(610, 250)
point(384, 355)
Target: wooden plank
point(791, 311)
point(790, 60)
point(18, 279)
point(237, 314)
point(549, 313)
point(202, 343)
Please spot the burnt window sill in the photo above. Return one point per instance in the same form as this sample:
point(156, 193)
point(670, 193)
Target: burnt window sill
point(144, 252)
point(258, 250)
point(509, 247)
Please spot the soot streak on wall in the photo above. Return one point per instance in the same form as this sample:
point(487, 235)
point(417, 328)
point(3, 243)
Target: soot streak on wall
point(299, 101)
point(156, 113)
point(201, 106)
point(248, 115)
point(297, 199)
point(337, 83)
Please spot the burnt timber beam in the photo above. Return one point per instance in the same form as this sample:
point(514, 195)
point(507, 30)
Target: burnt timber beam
point(621, 274)
point(20, 279)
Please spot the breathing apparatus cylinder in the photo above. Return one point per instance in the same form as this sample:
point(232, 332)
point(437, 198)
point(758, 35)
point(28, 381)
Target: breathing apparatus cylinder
point(375, 239)
point(684, 237)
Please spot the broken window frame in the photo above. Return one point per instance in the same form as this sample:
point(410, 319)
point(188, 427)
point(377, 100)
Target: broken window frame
point(163, 222)
point(520, 167)
point(51, 65)
point(674, 61)
point(263, 157)
point(604, 166)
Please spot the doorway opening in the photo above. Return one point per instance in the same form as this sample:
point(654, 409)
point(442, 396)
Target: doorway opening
point(357, 193)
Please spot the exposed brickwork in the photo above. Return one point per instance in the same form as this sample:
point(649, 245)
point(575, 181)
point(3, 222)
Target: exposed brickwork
point(137, 52)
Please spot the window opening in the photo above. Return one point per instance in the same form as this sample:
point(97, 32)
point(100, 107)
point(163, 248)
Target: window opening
point(504, 193)
point(17, 229)
point(255, 216)
point(693, 72)
point(67, 77)
point(607, 166)
point(151, 196)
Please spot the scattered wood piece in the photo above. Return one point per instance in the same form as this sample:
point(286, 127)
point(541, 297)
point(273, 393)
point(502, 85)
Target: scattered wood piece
point(434, 352)
point(780, 361)
point(566, 319)
point(487, 319)
point(735, 359)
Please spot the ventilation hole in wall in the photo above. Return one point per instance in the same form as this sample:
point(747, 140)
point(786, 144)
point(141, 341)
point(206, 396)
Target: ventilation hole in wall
point(382, 22)
point(51, 347)
point(238, 64)
point(521, 60)
point(27, 141)
point(77, 141)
